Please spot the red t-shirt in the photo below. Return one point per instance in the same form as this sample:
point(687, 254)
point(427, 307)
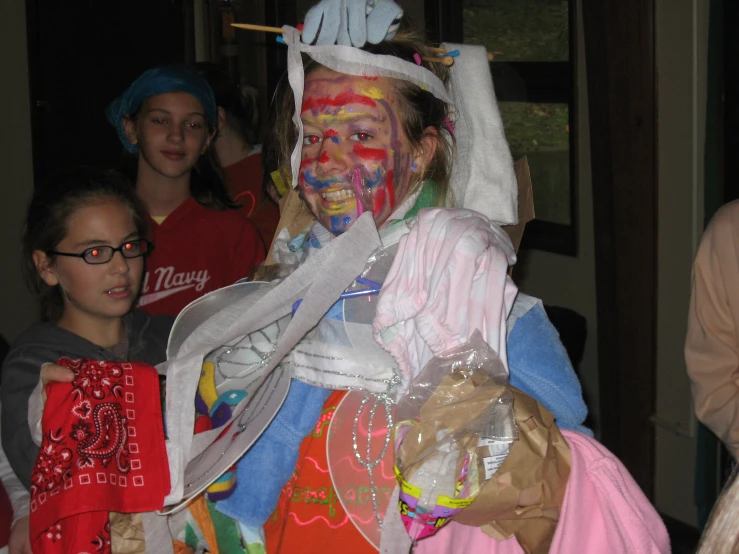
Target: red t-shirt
point(197, 250)
point(244, 182)
point(309, 517)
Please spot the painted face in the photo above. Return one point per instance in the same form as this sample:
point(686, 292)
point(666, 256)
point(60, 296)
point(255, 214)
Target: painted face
point(171, 131)
point(355, 155)
point(98, 291)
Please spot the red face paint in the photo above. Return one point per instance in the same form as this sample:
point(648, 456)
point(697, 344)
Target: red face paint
point(348, 97)
point(330, 133)
point(324, 158)
point(375, 154)
point(306, 162)
point(379, 201)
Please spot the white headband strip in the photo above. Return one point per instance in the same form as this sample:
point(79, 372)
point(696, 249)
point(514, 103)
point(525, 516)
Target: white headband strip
point(352, 61)
point(483, 178)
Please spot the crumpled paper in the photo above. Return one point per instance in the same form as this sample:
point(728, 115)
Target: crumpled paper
point(524, 497)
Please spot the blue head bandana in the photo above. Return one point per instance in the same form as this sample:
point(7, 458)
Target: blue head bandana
point(160, 80)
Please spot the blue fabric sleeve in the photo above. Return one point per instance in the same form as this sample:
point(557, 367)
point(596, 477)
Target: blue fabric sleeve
point(269, 464)
point(540, 367)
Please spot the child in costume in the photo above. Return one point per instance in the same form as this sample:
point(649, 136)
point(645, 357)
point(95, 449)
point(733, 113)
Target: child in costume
point(375, 136)
point(84, 246)
point(168, 118)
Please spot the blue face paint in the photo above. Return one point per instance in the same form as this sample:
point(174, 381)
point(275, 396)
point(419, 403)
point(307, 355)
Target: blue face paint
point(339, 223)
point(336, 226)
point(317, 183)
point(373, 183)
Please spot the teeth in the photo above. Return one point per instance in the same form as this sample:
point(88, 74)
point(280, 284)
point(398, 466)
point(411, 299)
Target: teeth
point(338, 195)
point(119, 289)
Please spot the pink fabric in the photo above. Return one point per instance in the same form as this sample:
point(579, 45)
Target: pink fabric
point(448, 279)
point(604, 511)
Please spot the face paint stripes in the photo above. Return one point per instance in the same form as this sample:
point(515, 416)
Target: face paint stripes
point(341, 100)
point(317, 183)
point(374, 154)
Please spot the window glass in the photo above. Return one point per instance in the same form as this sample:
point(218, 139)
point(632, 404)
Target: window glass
point(519, 30)
point(542, 133)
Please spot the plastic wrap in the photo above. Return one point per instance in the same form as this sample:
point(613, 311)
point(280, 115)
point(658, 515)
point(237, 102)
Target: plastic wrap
point(453, 431)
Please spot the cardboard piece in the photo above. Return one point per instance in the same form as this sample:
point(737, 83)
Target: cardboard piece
point(524, 498)
point(525, 202)
point(294, 216)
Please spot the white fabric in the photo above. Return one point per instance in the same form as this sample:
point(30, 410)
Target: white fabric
point(483, 178)
point(319, 282)
point(448, 279)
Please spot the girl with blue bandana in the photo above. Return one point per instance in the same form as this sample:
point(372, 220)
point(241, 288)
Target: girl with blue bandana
point(167, 118)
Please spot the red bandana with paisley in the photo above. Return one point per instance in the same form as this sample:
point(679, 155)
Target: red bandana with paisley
point(102, 451)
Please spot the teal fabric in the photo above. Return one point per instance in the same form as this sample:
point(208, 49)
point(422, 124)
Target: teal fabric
point(160, 80)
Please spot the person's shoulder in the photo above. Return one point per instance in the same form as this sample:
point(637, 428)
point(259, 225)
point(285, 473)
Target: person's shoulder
point(40, 335)
point(40, 343)
point(726, 218)
point(234, 222)
point(229, 217)
point(721, 235)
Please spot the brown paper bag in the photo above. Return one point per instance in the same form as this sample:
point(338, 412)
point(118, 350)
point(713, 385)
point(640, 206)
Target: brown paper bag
point(127, 534)
point(524, 497)
point(463, 396)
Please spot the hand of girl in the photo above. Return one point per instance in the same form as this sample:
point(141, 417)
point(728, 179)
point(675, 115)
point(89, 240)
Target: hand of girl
point(20, 540)
point(54, 373)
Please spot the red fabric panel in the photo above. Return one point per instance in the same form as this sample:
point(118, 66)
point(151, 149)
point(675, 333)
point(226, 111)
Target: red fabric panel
point(102, 450)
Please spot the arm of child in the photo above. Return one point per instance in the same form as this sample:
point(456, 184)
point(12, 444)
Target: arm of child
point(711, 344)
point(540, 367)
point(18, 542)
point(21, 375)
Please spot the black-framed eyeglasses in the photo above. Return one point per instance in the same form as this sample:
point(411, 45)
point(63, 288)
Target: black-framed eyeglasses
point(103, 254)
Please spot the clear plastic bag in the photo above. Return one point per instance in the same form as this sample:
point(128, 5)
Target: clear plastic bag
point(453, 430)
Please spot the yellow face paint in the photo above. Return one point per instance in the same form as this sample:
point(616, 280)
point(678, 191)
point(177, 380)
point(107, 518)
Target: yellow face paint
point(373, 92)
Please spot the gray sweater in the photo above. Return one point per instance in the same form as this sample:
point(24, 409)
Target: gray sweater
point(45, 342)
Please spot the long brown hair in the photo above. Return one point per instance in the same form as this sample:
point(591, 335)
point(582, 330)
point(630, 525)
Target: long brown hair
point(418, 110)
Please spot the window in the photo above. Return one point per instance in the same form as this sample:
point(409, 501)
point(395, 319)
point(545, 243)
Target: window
point(533, 45)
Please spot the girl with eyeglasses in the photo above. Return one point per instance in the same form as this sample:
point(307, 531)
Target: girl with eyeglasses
point(83, 255)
